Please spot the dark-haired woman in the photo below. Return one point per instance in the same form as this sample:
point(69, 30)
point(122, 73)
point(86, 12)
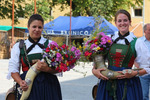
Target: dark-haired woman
point(121, 56)
point(46, 85)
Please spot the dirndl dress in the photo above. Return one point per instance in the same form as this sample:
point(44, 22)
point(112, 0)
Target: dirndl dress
point(45, 86)
point(120, 57)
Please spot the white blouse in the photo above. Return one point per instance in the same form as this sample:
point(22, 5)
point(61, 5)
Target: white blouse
point(14, 61)
point(130, 37)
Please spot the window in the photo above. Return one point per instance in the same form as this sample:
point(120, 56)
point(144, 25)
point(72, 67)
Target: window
point(138, 12)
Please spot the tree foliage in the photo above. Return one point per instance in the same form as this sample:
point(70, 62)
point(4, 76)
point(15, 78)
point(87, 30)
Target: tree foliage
point(43, 8)
point(23, 9)
point(6, 9)
point(105, 8)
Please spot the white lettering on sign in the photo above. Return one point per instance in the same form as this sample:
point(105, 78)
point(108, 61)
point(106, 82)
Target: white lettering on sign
point(50, 32)
point(68, 32)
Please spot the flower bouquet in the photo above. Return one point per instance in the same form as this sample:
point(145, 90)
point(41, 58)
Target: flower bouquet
point(97, 45)
point(61, 58)
point(95, 49)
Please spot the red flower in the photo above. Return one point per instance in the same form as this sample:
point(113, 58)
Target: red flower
point(73, 61)
point(66, 55)
point(53, 60)
point(69, 62)
point(95, 40)
point(63, 46)
point(101, 48)
point(52, 48)
point(58, 69)
point(71, 57)
point(47, 49)
point(63, 67)
point(91, 41)
point(67, 47)
point(59, 48)
point(87, 53)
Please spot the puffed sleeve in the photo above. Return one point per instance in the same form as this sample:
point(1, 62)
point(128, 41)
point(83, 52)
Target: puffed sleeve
point(14, 61)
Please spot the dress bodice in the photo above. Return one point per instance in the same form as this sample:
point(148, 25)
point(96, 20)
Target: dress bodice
point(30, 59)
point(121, 55)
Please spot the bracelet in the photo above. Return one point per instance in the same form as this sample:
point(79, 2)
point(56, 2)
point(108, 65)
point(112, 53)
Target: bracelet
point(138, 74)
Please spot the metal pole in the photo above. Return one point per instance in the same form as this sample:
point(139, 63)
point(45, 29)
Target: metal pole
point(66, 39)
point(70, 20)
point(143, 14)
point(34, 6)
point(13, 2)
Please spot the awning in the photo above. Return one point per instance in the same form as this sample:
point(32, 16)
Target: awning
point(81, 26)
point(7, 28)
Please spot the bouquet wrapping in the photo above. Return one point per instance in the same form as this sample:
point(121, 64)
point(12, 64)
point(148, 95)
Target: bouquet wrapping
point(60, 58)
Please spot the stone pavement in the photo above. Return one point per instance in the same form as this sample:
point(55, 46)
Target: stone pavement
point(73, 84)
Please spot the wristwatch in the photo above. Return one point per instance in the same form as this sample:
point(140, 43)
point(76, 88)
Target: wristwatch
point(138, 74)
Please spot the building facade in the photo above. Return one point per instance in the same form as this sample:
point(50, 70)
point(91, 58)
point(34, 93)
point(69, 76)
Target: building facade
point(139, 18)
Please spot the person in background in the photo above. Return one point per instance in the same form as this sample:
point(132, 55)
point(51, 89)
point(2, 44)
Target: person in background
point(121, 57)
point(143, 59)
point(46, 85)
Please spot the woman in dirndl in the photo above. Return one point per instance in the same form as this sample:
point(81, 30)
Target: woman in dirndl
point(121, 56)
point(46, 85)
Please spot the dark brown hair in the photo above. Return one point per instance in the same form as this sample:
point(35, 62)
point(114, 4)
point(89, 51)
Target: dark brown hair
point(35, 17)
point(122, 11)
